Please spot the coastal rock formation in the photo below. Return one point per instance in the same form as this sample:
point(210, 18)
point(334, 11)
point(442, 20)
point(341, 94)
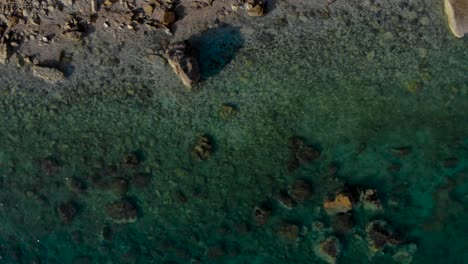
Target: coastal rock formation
point(457, 13)
point(182, 60)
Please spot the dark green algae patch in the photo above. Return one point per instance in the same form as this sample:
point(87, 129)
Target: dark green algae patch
point(102, 169)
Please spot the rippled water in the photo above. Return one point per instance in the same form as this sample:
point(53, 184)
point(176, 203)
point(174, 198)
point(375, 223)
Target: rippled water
point(355, 86)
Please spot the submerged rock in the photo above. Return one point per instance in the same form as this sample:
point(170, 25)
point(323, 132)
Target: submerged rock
point(289, 232)
point(328, 249)
point(300, 191)
point(370, 200)
point(379, 234)
point(50, 75)
point(342, 223)
point(203, 148)
point(261, 214)
point(182, 60)
point(68, 211)
point(285, 200)
point(457, 13)
point(123, 211)
point(301, 153)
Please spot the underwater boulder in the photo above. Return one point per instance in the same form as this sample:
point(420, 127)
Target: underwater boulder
point(300, 191)
point(181, 57)
point(122, 211)
point(457, 13)
point(379, 234)
point(328, 249)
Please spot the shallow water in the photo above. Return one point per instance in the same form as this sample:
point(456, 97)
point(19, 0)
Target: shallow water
point(355, 86)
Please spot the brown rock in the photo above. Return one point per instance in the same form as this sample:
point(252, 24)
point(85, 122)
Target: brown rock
point(168, 18)
point(341, 204)
point(182, 60)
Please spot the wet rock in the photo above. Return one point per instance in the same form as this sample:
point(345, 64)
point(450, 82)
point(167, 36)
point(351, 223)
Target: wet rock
point(300, 191)
point(328, 249)
point(457, 14)
point(50, 75)
point(285, 200)
point(122, 211)
point(300, 153)
point(203, 148)
point(67, 211)
point(215, 252)
point(141, 180)
point(342, 203)
point(379, 234)
point(342, 223)
point(289, 232)
point(370, 200)
point(182, 59)
point(261, 214)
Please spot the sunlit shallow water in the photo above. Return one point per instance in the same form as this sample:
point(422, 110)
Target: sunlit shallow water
point(356, 87)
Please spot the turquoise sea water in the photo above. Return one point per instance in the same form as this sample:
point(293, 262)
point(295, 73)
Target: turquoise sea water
point(356, 86)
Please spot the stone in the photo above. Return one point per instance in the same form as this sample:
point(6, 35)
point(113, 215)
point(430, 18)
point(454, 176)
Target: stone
point(122, 211)
point(168, 18)
point(182, 60)
point(203, 148)
point(341, 204)
point(370, 200)
point(141, 180)
point(300, 191)
point(379, 234)
point(457, 14)
point(50, 75)
point(328, 249)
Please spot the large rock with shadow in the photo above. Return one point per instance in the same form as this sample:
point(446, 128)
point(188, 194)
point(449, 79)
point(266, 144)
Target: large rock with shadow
point(181, 57)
